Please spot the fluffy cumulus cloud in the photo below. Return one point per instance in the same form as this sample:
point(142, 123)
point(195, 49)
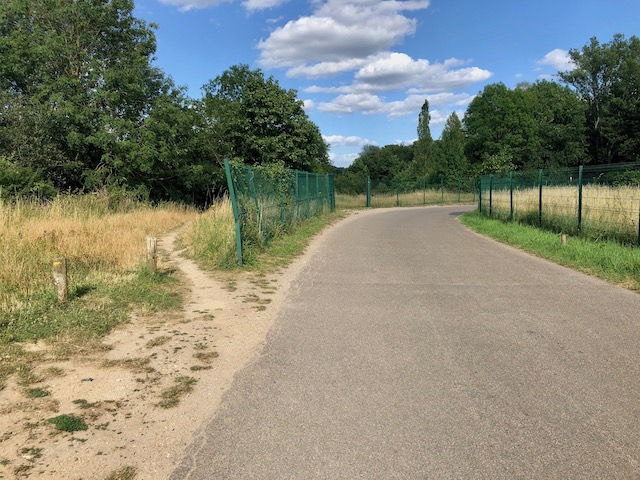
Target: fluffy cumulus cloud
point(337, 33)
point(558, 59)
point(346, 141)
point(370, 104)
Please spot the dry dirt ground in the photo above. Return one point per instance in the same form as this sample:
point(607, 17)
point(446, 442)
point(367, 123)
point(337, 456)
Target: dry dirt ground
point(126, 393)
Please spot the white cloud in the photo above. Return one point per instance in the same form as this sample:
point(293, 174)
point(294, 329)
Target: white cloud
point(370, 104)
point(393, 71)
point(339, 31)
point(346, 141)
point(308, 105)
point(343, 160)
point(262, 4)
point(186, 5)
point(558, 59)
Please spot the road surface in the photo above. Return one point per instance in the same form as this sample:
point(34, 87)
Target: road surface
point(412, 348)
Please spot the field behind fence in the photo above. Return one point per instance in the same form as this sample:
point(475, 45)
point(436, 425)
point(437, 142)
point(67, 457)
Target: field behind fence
point(410, 194)
point(597, 202)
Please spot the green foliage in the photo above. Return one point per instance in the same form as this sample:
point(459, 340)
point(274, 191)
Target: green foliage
point(384, 165)
point(449, 161)
point(68, 423)
point(251, 118)
point(85, 109)
point(607, 79)
point(422, 163)
point(536, 125)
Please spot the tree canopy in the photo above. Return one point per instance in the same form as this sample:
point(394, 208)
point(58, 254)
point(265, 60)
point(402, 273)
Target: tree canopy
point(84, 108)
point(252, 118)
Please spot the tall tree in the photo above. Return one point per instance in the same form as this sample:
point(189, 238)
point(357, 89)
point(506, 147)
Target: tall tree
point(421, 165)
point(253, 119)
point(606, 78)
point(83, 68)
point(449, 160)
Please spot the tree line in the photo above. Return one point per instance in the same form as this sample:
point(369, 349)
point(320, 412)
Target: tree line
point(591, 116)
point(83, 108)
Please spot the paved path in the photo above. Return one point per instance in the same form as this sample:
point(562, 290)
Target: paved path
point(411, 348)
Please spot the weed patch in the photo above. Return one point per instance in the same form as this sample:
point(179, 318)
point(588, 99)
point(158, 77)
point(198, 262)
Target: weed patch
point(182, 386)
point(68, 423)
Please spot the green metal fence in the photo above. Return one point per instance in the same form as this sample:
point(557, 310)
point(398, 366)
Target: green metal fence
point(421, 191)
point(269, 200)
point(597, 202)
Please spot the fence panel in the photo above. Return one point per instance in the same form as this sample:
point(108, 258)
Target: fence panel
point(412, 192)
point(268, 200)
point(597, 202)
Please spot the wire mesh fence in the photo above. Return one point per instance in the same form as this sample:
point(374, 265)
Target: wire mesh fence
point(268, 200)
point(597, 202)
point(407, 193)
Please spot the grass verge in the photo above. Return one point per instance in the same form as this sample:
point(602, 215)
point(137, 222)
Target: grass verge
point(211, 241)
point(607, 260)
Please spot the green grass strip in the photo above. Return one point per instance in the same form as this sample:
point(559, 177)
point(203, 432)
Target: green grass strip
point(607, 260)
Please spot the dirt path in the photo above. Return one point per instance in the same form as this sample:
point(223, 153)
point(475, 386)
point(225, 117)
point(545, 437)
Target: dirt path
point(149, 361)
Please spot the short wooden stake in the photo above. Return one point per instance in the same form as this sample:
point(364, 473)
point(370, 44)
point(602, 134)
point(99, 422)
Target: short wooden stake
point(60, 280)
point(152, 255)
point(563, 239)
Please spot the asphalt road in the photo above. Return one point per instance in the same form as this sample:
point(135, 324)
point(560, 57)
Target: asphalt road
point(412, 348)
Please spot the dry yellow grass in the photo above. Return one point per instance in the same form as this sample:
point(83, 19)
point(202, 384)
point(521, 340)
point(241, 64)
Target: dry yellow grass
point(212, 236)
point(85, 230)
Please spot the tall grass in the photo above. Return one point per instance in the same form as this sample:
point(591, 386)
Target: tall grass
point(607, 212)
point(212, 236)
point(100, 237)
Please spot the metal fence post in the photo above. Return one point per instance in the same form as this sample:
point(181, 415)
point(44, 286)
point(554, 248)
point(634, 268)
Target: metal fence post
point(234, 207)
point(308, 195)
point(490, 195)
point(297, 193)
point(368, 191)
point(511, 196)
point(540, 198)
point(580, 201)
point(459, 187)
point(424, 190)
point(480, 194)
point(397, 196)
point(441, 190)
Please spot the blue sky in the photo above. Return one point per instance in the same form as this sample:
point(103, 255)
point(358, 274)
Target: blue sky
point(365, 67)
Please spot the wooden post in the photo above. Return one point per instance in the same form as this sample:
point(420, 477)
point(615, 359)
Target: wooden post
point(60, 280)
point(563, 239)
point(152, 255)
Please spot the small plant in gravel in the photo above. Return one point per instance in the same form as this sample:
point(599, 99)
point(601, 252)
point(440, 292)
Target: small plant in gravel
point(171, 396)
point(125, 473)
point(206, 357)
point(68, 423)
point(37, 393)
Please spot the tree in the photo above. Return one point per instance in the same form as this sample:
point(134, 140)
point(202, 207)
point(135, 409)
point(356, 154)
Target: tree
point(606, 78)
point(251, 118)
point(81, 70)
point(449, 160)
point(420, 166)
point(536, 125)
